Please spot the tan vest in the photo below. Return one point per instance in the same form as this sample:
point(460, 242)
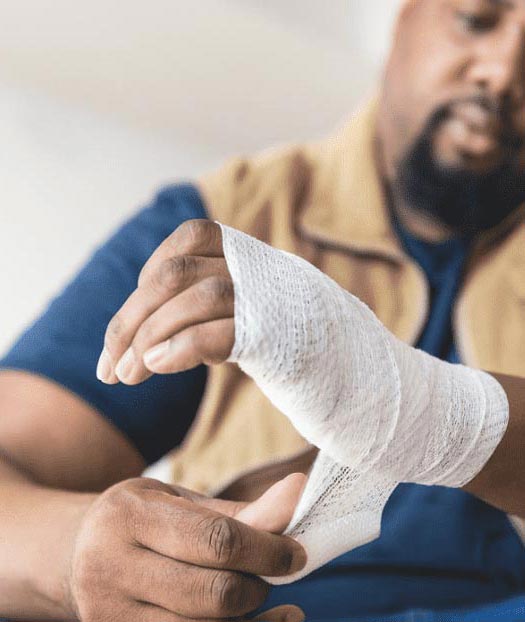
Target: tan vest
point(324, 201)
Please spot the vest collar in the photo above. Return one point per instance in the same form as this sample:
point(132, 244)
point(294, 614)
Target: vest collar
point(347, 207)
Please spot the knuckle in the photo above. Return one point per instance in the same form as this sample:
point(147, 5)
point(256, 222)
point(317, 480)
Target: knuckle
point(208, 345)
point(126, 511)
point(146, 335)
point(122, 499)
point(200, 343)
point(115, 332)
point(174, 272)
point(226, 593)
point(215, 290)
point(142, 275)
point(223, 540)
point(197, 339)
point(196, 232)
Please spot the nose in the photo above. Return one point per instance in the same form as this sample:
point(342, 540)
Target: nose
point(500, 68)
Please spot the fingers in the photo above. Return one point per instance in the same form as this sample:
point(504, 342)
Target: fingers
point(287, 613)
point(167, 279)
point(201, 238)
point(191, 255)
point(209, 343)
point(145, 612)
point(212, 593)
point(182, 530)
point(144, 553)
point(151, 613)
point(209, 299)
point(273, 511)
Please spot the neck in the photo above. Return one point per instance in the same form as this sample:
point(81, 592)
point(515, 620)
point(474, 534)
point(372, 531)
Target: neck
point(416, 222)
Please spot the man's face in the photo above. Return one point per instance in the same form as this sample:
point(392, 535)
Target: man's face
point(453, 108)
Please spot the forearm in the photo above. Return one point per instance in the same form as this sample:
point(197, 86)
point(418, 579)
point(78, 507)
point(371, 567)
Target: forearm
point(380, 411)
point(37, 530)
point(59, 440)
point(502, 481)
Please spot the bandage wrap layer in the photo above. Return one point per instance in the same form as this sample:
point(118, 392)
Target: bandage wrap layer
point(380, 411)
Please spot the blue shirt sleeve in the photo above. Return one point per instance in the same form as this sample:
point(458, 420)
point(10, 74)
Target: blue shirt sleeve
point(64, 343)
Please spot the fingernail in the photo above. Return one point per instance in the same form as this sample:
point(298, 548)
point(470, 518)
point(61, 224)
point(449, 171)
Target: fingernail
point(297, 615)
point(299, 559)
point(155, 355)
point(104, 367)
point(291, 613)
point(126, 364)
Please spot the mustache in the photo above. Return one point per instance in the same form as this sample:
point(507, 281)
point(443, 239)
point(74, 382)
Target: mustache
point(497, 106)
point(500, 109)
point(466, 200)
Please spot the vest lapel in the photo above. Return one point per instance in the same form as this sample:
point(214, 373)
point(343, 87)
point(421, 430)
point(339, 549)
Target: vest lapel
point(346, 212)
point(490, 313)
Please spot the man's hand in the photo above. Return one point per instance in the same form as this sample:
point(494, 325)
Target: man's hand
point(180, 315)
point(150, 552)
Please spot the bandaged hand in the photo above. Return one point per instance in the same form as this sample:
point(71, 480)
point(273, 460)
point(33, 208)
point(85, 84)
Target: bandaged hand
point(180, 315)
point(380, 411)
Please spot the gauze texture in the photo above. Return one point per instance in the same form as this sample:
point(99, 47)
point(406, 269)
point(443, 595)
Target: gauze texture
point(380, 411)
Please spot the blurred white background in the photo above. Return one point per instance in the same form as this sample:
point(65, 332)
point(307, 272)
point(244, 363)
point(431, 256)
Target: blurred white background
point(102, 102)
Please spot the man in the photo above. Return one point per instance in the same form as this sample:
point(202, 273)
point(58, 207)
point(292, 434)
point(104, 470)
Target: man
point(416, 209)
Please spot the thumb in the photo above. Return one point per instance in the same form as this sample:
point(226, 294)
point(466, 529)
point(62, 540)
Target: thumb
point(273, 511)
point(286, 613)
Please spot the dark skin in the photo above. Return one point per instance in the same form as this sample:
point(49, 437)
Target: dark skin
point(447, 53)
point(139, 550)
point(210, 341)
point(94, 545)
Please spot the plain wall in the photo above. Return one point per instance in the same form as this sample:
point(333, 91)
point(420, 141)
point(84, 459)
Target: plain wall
point(103, 102)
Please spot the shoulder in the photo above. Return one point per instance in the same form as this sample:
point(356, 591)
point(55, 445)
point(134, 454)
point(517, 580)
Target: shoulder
point(180, 201)
point(142, 232)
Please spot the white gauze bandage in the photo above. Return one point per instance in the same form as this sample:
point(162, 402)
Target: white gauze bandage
point(380, 411)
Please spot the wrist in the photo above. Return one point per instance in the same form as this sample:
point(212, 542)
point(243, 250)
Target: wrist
point(52, 549)
point(460, 415)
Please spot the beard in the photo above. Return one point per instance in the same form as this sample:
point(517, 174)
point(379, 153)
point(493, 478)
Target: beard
point(468, 202)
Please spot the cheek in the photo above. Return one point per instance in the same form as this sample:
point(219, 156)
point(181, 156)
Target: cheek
point(432, 62)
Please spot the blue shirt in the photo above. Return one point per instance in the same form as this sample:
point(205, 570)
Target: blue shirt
point(65, 341)
point(439, 548)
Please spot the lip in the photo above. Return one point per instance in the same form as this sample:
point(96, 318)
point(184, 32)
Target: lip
point(478, 118)
point(474, 139)
point(476, 135)
point(458, 145)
